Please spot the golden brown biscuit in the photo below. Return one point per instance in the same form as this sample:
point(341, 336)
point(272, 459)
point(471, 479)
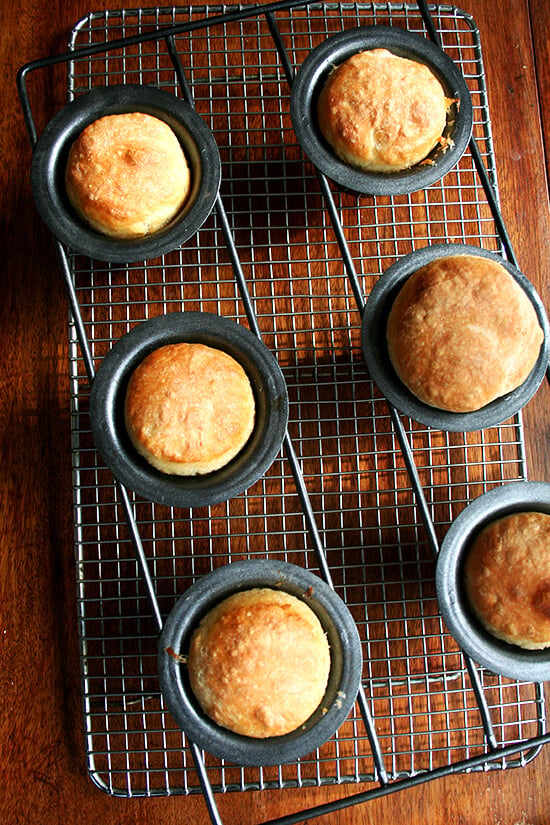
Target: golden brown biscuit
point(189, 408)
point(507, 577)
point(462, 332)
point(259, 663)
point(381, 112)
point(127, 175)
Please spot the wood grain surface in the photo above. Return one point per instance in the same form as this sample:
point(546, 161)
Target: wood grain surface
point(41, 744)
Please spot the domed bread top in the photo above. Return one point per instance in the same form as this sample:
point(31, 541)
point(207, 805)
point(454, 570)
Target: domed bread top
point(259, 663)
point(189, 408)
point(507, 578)
point(127, 175)
point(382, 112)
point(462, 332)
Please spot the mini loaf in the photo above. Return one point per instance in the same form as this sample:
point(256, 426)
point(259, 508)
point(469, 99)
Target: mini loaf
point(507, 579)
point(127, 175)
point(259, 663)
point(462, 332)
point(382, 112)
point(189, 408)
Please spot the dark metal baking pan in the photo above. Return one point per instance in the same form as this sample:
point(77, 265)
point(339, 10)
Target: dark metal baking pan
point(484, 648)
point(50, 160)
point(312, 75)
point(109, 392)
point(375, 351)
point(345, 673)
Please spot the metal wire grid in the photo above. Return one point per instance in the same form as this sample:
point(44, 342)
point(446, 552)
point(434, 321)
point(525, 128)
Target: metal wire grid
point(419, 690)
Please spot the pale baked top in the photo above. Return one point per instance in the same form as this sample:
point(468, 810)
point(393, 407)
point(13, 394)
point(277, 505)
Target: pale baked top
point(259, 663)
point(462, 332)
point(189, 408)
point(127, 175)
point(382, 112)
point(507, 577)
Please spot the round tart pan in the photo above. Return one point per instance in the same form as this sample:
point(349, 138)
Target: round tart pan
point(50, 160)
point(345, 673)
point(375, 351)
point(109, 392)
point(484, 648)
point(312, 75)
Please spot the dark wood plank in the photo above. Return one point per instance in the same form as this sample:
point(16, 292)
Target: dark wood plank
point(540, 21)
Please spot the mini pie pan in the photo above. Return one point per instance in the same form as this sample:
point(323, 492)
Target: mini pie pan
point(311, 78)
point(52, 151)
point(109, 393)
point(497, 656)
point(344, 678)
point(373, 334)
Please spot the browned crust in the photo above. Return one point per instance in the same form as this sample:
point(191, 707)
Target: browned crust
point(462, 332)
point(382, 112)
point(507, 577)
point(189, 408)
point(259, 663)
point(127, 175)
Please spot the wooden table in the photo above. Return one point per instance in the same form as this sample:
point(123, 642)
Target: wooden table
point(41, 749)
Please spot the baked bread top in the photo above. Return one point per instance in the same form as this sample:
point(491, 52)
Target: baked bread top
point(462, 332)
point(259, 663)
point(381, 112)
point(127, 175)
point(189, 408)
point(507, 578)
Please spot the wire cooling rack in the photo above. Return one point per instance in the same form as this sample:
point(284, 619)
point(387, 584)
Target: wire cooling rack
point(358, 493)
